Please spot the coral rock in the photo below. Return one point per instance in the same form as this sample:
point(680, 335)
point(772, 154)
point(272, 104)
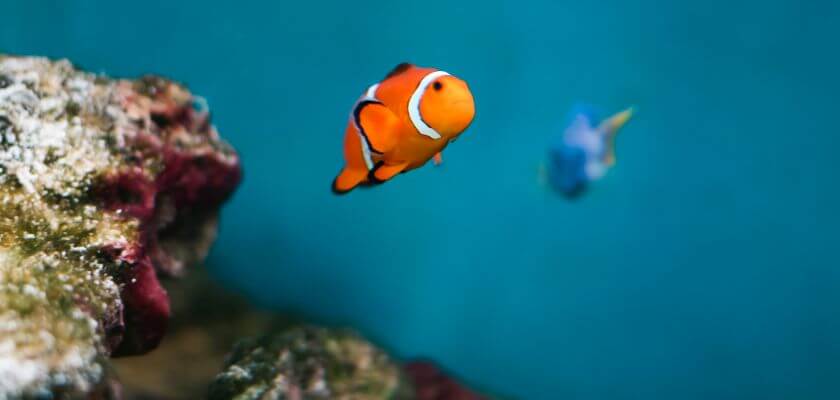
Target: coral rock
point(309, 363)
point(432, 384)
point(318, 363)
point(105, 185)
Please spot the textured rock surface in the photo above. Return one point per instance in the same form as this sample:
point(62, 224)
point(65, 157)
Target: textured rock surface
point(309, 363)
point(104, 184)
point(208, 320)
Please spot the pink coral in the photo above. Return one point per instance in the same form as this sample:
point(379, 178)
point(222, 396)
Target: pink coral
point(432, 384)
point(195, 171)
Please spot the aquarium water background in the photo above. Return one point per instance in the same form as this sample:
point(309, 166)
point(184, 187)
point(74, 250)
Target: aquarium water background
point(703, 266)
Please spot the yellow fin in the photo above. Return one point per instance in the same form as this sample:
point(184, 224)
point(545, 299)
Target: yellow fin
point(612, 124)
point(610, 128)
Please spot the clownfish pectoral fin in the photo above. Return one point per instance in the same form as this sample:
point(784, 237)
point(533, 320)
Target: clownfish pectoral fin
point(385, 172)
point(610, 128)
point(348, 179)
point(379, 126)
point(438, 158)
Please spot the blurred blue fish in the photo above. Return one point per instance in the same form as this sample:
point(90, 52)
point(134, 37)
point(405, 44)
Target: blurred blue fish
point(584, 152)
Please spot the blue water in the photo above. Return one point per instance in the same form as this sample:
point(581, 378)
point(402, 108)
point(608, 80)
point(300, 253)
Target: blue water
point(704, 266)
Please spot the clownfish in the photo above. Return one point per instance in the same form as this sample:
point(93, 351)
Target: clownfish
point(584, 151)
point(401, 123)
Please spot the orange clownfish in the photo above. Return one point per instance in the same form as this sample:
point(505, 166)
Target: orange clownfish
point(402, 122)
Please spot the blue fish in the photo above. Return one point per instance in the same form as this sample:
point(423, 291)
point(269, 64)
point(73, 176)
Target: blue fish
point(584, 152)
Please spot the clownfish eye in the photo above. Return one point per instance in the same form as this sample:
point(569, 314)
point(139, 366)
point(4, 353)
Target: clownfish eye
point(438, 86)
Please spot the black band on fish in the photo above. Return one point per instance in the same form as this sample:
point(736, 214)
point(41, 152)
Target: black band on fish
point(357, 113)
point(372, 174)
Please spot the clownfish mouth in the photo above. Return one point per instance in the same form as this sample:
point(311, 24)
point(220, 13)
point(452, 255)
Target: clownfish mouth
point(463, 111)
point(462, 104)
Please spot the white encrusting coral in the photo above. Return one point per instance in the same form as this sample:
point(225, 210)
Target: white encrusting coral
point(53, 144)
point(46, 146)
point(103, 184)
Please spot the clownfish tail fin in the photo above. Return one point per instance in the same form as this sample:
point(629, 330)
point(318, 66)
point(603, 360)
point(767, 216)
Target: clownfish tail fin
point(348, 179)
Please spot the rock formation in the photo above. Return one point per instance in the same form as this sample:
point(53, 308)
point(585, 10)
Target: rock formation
point(104, 185)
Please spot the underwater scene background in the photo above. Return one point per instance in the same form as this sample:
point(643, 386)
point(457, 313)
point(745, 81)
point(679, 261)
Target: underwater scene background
point(704, 265)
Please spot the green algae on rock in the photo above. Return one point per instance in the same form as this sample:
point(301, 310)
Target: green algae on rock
point(93, 175)
point(208, 319)
point(309, 363)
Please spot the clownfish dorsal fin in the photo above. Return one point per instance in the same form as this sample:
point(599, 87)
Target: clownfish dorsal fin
point(399, 69)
